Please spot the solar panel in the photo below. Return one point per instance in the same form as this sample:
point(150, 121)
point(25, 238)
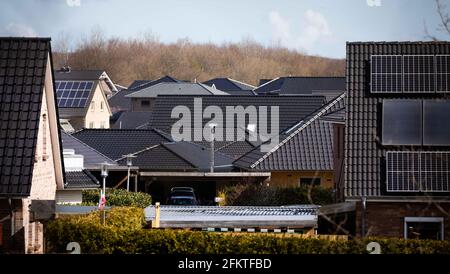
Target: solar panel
point(386, 74)
point(419, 74)
point(413, 171)
point(402, 122)
point(410, 73)
point(436, 125)
point(73, 94)
point(443, 73)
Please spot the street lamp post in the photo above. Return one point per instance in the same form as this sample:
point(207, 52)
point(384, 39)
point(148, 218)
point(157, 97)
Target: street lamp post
point(129, 165)
point(104, 174)
point(213, 129)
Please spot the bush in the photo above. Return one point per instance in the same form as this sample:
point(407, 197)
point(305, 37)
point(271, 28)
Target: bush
point(261, 195)
point(117, 197)
point(92, 234)
point(116, 237)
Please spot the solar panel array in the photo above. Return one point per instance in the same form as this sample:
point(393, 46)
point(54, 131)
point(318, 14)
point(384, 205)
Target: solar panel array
point(73, 94)
point(410, 73)
point(413, 171)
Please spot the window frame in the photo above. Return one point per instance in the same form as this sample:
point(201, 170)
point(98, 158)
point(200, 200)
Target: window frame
point(407, 220)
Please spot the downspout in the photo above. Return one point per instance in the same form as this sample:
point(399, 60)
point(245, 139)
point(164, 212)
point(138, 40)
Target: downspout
point(363, 216)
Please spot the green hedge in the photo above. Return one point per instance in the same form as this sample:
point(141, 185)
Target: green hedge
point(261, 195)
point(117, 237)
point(117, 197)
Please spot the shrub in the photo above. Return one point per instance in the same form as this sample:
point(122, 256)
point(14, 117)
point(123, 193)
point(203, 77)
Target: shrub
point(117, 197)
point(261, 195)
point(118, 237)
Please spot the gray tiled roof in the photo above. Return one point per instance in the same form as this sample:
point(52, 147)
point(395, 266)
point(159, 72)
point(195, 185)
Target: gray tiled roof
point(132, 120)
point(175, 89)
point(302, 85)
point(22, 72)
point(82, 179)
point(364, 168)
point(92, 157)
point(160, 158)
point(228, 84)
point(114, 143)
point(199, 156)
point(137, 83)
point(119, 101)
point(164, 79)
point(291, 109)
point(306, 146)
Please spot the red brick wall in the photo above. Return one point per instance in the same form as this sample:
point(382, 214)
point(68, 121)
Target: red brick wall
point(386, 219)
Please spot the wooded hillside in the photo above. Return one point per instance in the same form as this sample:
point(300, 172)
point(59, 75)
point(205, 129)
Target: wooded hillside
point(148, 58)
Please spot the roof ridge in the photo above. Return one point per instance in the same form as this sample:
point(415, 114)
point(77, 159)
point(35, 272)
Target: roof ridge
point(240, 82)
point(138, 152)
point(267, 82)
point(26, 38)
point(304, 125)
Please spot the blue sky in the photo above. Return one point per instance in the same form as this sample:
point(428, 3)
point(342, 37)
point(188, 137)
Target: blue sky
point(317, 27)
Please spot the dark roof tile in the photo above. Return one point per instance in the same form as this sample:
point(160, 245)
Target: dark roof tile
point(82, 179)
point(303, 85)
point(306, 146)
point(92, 157)
point(114, 143)
point(133, 120)
point(21, 92)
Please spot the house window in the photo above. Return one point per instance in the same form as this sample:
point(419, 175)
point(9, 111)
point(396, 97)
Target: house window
point(309, 181)
point(430, 228)
point(101, 106)
point(91, 125)
point(145, 103)
point(102, 124)
point(44, 137)
point(92, 106)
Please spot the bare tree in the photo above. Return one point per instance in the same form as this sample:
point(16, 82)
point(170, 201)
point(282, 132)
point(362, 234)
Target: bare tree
point(444, 25)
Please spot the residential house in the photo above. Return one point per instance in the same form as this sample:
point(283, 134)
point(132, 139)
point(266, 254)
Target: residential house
point(303, 155)
point(82, 98)
point(31, 167)
point(397, 138)
point(231, 86)
point(330, 87)
point(162, 163)
point(119, 101)
point(144, 99)
point(105, 83)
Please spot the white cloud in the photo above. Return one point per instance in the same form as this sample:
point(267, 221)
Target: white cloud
point(313, 28)
point(15, 29)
